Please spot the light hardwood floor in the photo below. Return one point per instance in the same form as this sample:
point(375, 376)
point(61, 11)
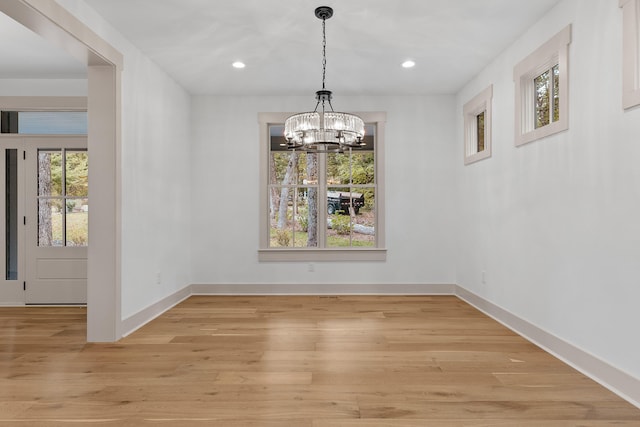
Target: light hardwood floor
point(293, 362)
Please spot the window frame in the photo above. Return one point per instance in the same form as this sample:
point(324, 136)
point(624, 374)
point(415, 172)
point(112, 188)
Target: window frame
point(304, 254)
point(630, 53)
point(481, 103)
point(554, 52)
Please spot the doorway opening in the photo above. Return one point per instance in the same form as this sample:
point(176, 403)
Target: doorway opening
point(104, 64)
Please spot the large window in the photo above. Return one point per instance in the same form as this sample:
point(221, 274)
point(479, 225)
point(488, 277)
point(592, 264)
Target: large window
point(631, 53)
point(542, 83)
point(321, 206)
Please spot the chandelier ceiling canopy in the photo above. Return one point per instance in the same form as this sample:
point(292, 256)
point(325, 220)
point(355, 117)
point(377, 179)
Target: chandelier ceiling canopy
point(324, 131)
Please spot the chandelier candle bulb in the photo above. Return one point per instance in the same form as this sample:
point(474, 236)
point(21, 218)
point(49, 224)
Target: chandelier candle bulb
point(324, 131)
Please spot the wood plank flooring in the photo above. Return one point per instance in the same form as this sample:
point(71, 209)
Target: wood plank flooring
point(293, 362)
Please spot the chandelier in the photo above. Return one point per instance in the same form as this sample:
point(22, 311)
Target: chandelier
point(324, 131)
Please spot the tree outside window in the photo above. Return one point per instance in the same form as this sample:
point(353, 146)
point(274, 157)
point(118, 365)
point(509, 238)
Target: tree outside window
point(547, 98)
point(63, 203)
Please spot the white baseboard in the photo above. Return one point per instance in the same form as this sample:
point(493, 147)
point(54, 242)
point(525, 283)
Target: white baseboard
point(136, 321)
point(619, 382)
point(323, 289)
point(141, 318)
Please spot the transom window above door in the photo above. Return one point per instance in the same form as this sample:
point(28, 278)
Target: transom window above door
point(44, 122)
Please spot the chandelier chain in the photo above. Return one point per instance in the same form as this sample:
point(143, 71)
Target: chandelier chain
point(324, 52)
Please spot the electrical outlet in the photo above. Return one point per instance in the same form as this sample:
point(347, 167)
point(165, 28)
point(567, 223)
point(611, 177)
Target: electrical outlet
point(158, 278)
point(484, 277)
point(311, 268)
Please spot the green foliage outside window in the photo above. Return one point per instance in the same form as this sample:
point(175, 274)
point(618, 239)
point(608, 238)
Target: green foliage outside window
point(547, 99)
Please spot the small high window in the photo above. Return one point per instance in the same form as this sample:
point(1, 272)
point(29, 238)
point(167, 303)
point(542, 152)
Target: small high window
point(542, 83)
point(477, 127)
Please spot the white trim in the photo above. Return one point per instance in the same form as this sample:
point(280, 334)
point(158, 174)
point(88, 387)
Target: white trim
point(104, 300)
point(630, 53)
point(323, 289)
point(554, 51)
point(267, 254)
point(619, 382)
point(146, 315)
point(477, 105)
point(320, 255)
point(43, 103)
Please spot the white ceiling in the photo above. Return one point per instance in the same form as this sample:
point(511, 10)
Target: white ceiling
point(195, 41)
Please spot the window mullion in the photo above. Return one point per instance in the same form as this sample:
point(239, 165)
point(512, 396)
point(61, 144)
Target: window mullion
point(376, 174)
point(350, 197)
point(63, 191)
point(552, 94)
point(294, 219)
point(322, 200)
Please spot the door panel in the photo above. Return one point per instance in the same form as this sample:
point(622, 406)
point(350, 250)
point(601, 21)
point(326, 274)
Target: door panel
point(61, 268)
point(57, 209)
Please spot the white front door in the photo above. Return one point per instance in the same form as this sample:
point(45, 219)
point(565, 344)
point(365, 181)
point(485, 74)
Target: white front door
point(56, 207)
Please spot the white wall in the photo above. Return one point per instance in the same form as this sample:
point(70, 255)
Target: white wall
point(556, 223)
point(43, 87)
point(156, 196)
point(419, 188)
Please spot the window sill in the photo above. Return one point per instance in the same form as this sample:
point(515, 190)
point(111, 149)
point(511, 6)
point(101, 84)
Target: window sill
point(485, 154)
point(319, 255)
point(542, 132)
point(631, 99)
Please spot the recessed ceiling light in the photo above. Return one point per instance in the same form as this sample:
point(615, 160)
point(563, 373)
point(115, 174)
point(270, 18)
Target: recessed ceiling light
point(238, 64)
point(408, 64)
